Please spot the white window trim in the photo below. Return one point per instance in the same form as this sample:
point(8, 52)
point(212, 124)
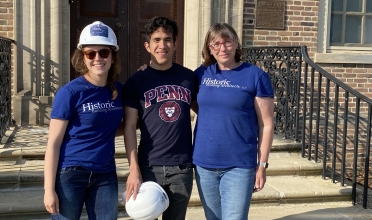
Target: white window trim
point(334, 54)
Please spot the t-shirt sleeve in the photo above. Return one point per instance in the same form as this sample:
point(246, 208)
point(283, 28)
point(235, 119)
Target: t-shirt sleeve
point(199, 72)
point(264, 86)
point(63, 105)
point(130, 93)
point(196, 87)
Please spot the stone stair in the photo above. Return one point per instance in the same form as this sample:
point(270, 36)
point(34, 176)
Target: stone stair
point(290, 178)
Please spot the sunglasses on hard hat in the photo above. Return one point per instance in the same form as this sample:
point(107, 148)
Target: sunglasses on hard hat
point(91, 54)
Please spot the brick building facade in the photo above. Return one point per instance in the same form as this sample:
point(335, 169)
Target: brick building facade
point(6, 18)
point(308, 22)
point(302, 27)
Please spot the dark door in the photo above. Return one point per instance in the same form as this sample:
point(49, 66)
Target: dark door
point(127, 19)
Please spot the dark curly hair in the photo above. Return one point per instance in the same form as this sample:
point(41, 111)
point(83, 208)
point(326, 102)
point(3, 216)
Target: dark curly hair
point(161, 22)
point(77, 61)
point(225, 31)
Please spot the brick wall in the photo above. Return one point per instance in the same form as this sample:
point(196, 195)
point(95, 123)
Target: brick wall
point(6, 19)
point(357, 76)
point(301, 28)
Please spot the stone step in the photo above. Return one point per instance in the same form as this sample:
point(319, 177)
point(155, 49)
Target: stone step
point(291, 179)
point(25, 172)
point(30, 142)
point(18, 203)
point(29, 173)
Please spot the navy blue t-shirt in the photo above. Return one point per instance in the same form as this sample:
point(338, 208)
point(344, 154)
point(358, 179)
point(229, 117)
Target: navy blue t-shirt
point(226, 131)
point(93, 117)
point(163, 100)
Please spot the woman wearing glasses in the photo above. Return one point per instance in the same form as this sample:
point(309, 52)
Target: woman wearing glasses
point(79, 160)
point(234, 128)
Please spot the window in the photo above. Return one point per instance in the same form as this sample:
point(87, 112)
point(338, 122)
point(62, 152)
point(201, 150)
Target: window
point(351, 23)
point(344, 31)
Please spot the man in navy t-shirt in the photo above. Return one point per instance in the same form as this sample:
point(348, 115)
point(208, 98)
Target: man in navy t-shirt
point(159, 98)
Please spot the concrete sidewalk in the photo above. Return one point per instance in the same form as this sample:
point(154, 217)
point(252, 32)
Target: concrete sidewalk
point(314, 211)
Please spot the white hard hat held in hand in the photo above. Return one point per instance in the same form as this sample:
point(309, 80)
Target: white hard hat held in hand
point(150, 203)
point(98, 33)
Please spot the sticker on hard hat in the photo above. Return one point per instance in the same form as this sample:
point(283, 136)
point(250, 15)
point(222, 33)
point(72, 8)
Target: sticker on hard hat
point(98, 30)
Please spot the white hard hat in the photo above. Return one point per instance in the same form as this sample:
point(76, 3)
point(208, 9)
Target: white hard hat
point(150, 203)
point(97, 33)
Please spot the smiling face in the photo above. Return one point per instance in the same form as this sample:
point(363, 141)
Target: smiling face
point(161, 46)
point(98, 66)
point(224, 51)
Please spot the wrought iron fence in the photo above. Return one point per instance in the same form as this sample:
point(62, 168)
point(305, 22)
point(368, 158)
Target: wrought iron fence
point(5, 92)
point(330, 119)
point(283, 64)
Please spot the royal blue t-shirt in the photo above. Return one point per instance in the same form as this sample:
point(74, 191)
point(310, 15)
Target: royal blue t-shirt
point(163, 100)
point(226, 131)
point(93, 117)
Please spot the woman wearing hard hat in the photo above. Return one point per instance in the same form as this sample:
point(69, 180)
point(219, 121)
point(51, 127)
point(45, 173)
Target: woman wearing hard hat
point(79, 160)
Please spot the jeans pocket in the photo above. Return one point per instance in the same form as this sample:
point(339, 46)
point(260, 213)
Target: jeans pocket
point(65, 170)
point(183, 168)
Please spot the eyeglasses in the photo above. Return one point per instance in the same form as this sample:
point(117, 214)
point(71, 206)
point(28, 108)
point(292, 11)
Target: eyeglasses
point(217, 45)
point(91, 54)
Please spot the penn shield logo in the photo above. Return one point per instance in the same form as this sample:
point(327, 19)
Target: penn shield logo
point(169, 111)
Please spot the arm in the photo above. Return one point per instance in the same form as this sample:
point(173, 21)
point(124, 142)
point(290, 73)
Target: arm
point(194, 106)
point(120, 130)
point(130, 139)
point(57, 129)
point(265, 117)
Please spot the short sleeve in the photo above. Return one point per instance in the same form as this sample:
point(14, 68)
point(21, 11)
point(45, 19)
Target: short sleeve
point(63, 105)
point(196, 87)
point(130, 93)
point(264, 86)
point(199, 72)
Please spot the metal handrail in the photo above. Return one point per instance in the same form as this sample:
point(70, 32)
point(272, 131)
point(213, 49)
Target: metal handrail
point(331, 77)
point(5, 80)
point(303, 112)
point(348, 91)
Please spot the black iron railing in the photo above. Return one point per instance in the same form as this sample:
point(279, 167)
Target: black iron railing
point(330, 119)
point(5, 93)
point(283, 64)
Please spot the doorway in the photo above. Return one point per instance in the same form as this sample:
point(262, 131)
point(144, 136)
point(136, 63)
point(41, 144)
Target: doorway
point(127, 19)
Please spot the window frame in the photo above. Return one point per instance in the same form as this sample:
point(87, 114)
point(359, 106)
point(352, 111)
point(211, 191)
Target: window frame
point(336, 54)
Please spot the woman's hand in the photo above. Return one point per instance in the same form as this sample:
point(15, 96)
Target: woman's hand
point(51, 202)
point(134, 181)
point(260, 179)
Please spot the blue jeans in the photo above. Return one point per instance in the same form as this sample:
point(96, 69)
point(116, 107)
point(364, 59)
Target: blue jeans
point(225, 193)
point(76, 186)
point(177, 183)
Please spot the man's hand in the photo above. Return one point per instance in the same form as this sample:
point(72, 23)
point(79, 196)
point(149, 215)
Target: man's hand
point(143, 67)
